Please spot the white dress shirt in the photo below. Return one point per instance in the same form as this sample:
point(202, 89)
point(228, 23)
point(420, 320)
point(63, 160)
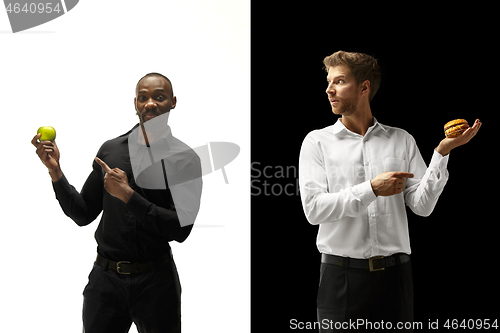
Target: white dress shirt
point(335, 169)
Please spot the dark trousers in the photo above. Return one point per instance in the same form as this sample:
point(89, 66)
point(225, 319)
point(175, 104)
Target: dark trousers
point(112, 301)
point(353, 295)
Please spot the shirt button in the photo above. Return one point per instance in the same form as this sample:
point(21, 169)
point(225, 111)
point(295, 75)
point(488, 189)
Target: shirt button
point(367, 163)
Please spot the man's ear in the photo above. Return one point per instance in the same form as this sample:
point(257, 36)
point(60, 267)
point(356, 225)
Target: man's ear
point(174, 102)
point(137, 110)
point(365, 88)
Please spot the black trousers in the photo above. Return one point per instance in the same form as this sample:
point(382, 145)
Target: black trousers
point(352, 295)
point(112, 301)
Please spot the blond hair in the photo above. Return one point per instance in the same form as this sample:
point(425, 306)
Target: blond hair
point(363, 67)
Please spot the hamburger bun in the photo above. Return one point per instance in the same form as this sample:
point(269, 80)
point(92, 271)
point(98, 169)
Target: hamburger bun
point(455, 127)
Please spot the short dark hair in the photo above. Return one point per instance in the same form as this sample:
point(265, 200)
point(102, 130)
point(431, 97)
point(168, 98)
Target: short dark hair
point(363, 67)
point(158, 75)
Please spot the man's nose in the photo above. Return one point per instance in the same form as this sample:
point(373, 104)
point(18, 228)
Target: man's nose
point(330, 90)
point(150, 105)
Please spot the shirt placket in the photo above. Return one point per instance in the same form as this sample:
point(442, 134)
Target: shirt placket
point(372, 208)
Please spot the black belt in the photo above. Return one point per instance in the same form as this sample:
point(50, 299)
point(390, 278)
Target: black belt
point(127, 267)
point(377, 263)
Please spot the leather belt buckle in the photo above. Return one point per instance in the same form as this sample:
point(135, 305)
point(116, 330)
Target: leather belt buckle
point(375, 263)
point(118, 266)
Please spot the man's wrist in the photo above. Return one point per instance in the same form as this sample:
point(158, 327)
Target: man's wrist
point(443, 150)
point(55, 174)
point(373, 188)
point(127, 194)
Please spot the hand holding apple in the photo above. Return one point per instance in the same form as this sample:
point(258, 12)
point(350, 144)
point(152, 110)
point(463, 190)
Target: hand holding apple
point(48, 153)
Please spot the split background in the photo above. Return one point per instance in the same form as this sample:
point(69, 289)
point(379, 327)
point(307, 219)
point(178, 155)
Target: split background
point(78, 73)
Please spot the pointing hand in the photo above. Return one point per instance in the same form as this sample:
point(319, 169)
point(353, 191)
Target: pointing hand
point(116, 182)
point(390, 183)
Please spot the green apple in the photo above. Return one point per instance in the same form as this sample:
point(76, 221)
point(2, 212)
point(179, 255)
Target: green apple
point(48, 133)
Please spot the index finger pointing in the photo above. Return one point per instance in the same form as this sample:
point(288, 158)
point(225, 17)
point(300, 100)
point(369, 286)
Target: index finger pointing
point(403, 175)
point(104, 165)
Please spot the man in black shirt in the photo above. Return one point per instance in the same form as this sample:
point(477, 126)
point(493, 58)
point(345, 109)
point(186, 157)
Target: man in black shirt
point(148, 186)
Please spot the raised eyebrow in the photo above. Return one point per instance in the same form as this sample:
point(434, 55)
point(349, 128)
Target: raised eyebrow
point(157, 89)
point(336, 78)
point(143, 92)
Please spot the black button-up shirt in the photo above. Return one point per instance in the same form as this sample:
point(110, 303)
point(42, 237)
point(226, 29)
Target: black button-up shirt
point(139, 230)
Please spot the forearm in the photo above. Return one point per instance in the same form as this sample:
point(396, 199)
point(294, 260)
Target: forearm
point(330, 207)
point(443, 149)
point(327, 200)
point(125, 194)
point(422, 194)
point(72, 203)
point(56, 174)
point(157, 219)
point(81, 207)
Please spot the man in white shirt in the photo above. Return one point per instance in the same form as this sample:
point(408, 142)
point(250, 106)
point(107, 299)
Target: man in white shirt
point(355, 178)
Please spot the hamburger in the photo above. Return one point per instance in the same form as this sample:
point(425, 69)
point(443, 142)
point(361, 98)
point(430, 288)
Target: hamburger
point(455, 127)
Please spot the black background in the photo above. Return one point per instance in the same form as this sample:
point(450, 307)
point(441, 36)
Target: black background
point(437, 65)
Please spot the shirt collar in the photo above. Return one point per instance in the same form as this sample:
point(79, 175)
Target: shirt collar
point(166, 136)
point(158, 126)
point(141, 156)
point(375, 122)
point(339, 126)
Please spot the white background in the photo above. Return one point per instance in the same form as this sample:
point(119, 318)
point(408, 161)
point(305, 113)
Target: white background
point(77, 73)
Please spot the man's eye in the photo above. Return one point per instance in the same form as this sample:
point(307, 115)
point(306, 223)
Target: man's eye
point(341, 81)
point(160, 97)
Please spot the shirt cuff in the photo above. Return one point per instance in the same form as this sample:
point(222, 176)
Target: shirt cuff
point(364, 192)
point(439, 161)
point(61, 185)
point(138, 205)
